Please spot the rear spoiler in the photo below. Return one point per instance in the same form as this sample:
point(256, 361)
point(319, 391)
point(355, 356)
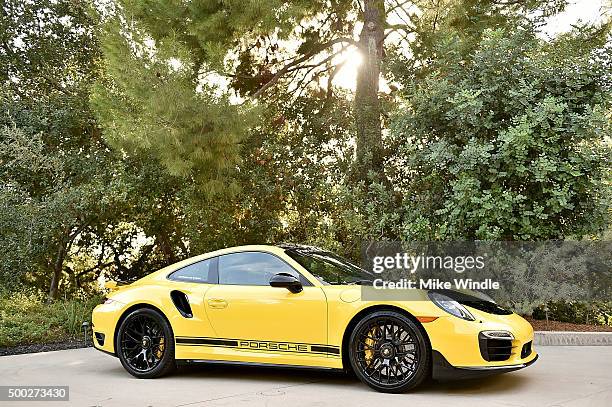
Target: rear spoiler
point(113, 285)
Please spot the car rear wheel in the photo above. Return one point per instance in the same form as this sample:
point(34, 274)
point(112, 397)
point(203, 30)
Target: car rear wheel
point(145, 344)
point(389, 352)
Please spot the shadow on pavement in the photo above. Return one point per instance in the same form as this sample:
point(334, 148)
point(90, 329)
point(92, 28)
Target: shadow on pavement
point(495, 384)
point(501, 383)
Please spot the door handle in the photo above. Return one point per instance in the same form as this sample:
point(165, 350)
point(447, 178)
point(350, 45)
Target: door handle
point(217, 303)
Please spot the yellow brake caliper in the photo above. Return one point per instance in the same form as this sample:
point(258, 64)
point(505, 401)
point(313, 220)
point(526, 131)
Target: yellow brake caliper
point(160, 348)
point(370, 341)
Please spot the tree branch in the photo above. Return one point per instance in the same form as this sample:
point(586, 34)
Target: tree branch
point(314, 66)
point(407, 24)
point(332, 75)
point(322, 62)
point(398, 5)
point(300, 60)
point(435, 21)
point(404, 27)
point(507, 2)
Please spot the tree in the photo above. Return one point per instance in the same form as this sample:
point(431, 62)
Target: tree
point(52, 194)
point(45, 60)
point(217, 124)
point(47, 48)
point(510, 141)
point(71, 207)
point(164, 60)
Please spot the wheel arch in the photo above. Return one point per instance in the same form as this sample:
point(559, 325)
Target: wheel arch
point(369, 310)
point(131, 309)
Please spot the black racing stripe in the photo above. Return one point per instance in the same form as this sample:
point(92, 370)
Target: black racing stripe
point(247, 349)
point(325, 349)
point(257, 340)
point(206, 341)
point(236, 343)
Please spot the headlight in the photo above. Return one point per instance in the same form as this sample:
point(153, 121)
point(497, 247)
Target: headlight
point(451, 306)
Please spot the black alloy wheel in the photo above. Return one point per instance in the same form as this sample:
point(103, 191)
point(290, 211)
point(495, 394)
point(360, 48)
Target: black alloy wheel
point(145, 344)
point(389, 352)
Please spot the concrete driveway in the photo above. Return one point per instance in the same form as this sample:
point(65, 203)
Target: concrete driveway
point(564, 376)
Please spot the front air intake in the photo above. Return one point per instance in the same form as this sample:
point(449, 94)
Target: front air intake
point(181, 302)
point(494, 350)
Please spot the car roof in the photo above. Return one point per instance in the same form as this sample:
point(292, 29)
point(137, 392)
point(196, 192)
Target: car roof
point(274, 249)
point(245, 248)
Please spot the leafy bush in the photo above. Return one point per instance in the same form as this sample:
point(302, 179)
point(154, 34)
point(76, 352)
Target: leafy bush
point(508, 143)
point(26, 319)
point(597, 313)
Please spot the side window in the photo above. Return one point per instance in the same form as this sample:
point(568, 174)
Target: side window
point(193, 273)
point(252, 268)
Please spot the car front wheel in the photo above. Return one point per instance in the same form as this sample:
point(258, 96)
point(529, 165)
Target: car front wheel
point(389, 352)
point(145, 344)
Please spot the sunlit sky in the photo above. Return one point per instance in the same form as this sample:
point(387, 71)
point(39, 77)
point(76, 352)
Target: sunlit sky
point(578, 10)
point(585, 10)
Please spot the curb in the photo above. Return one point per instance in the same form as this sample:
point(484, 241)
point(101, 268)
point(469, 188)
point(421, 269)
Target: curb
point(565, 338)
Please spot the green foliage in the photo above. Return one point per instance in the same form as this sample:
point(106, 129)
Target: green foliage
point(52, 161)
point(47, 46)
point(71, 207)
point(125, 144)
point(26, 319)
point(161, 94)
point(507, 143)
point(50, 195)
point(146, 104)
point(580, 312)
point(287, 191)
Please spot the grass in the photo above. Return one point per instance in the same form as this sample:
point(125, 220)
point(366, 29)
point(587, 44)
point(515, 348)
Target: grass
point(26, 319)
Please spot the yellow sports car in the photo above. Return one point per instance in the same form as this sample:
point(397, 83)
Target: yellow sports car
point(291, 305)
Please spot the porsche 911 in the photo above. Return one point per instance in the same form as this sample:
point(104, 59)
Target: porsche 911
point(301, 306)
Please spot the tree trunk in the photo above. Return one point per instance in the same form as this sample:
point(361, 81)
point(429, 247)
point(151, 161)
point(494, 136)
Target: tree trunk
point(166, 247)
point(369, 154)
point(57, 272)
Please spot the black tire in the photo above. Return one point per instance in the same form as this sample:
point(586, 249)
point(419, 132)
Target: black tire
point(145, 344)
point(389, 352)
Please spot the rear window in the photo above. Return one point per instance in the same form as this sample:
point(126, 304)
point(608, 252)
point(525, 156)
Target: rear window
point(194, 273)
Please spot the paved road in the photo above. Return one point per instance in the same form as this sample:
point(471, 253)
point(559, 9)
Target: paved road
point(564, 376)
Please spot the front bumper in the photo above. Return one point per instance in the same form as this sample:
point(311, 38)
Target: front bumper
point(458, 340)
point(444, 371)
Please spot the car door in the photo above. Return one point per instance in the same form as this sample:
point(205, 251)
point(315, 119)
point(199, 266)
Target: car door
point(244, 306)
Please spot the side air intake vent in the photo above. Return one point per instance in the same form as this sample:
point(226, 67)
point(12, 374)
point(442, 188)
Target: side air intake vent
point(100, 338)
point(181, 303)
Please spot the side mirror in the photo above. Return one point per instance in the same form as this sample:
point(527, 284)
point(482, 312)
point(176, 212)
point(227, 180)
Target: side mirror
point(287, 281)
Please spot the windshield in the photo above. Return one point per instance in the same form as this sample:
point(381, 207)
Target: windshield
point(330, 268)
